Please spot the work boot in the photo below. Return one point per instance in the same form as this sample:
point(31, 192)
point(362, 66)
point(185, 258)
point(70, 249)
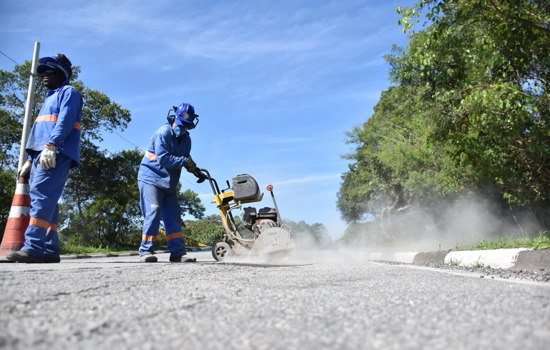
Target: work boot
point(183, 258)
point(148, 258)
point(24, 257)
point(52, 259)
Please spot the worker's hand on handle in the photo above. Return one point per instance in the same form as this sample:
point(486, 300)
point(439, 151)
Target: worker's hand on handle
point(47, 157)
point(190, 165)
point(200, 175)
point(25, 170)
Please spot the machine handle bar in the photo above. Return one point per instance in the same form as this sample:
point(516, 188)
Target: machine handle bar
point(203, 174)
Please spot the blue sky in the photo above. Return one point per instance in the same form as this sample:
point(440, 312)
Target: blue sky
point(276, 83)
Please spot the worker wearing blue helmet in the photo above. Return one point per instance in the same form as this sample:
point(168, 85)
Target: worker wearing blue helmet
point(53, 148)
point(159, 172)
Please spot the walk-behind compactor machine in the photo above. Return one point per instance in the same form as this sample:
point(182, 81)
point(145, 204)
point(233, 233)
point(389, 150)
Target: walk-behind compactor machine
point(270, 236)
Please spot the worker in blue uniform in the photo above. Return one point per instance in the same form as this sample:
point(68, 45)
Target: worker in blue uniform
point(53, 148)
point(159, 172)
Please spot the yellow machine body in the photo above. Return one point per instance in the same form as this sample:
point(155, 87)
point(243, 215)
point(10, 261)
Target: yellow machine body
point(225, 202)
point(270, 235)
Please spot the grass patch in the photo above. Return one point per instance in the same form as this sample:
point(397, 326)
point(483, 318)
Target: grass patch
point(478, 264)
point(455, 262)
point(77, 249)
point(540, 242)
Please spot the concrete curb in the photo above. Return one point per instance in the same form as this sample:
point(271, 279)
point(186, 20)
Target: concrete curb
point(429, 257)
point(520, 258)
point(533, 259)
point(498, 259)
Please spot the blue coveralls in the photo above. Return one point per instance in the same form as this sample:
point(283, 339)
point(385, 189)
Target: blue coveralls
point(57, 123)
point(158, 177)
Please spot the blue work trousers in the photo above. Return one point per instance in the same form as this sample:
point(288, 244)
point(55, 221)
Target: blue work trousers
point(156, 202)
point(46, 186)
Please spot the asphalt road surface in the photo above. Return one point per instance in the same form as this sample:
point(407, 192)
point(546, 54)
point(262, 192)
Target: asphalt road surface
point(319, 301)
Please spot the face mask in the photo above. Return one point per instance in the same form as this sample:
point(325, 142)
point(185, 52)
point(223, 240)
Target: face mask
point(179, 131)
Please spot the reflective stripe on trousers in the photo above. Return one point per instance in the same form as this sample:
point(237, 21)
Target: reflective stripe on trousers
point(156, 203)
point(46, 187)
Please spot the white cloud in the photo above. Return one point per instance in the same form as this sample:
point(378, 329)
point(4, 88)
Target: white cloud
point(308, 179)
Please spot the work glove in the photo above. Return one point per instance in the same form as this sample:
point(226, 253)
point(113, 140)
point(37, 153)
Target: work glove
point(47, 157)
point(25, 170)
point(200, 175)
point(190, 165)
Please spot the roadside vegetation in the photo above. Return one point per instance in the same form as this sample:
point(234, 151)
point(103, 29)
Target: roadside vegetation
point(466, 120)
point(540, 242)
point(75, 249)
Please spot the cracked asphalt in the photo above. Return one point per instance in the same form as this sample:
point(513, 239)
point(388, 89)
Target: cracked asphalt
point(314, 303)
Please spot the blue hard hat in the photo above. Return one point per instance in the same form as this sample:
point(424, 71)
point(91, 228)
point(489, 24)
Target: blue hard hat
point(59, 61)
point(185, 116)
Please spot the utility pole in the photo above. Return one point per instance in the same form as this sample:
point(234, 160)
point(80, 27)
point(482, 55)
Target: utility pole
point(28, 107)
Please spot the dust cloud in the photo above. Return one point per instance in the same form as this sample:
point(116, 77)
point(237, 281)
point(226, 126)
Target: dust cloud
point(458, 226)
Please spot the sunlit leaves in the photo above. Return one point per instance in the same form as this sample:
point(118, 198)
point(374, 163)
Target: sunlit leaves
point(477, 102)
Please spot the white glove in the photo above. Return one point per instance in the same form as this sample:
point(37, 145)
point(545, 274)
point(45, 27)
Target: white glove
point(47, 157)
point(25, 170)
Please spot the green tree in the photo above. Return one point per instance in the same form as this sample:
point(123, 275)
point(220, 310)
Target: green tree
point(304, 232)
point(394, 168)
point(101, 198)
point(208, 230)
point(190, 203)
point(367, 234)
point(487, 64)
point(468, 114)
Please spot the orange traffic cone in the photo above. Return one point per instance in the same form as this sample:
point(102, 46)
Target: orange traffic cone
point(14, 234)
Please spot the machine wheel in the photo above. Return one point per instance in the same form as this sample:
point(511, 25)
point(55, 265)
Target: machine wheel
point(221, 251)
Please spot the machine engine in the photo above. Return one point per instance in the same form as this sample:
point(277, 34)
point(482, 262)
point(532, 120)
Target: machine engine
point(258, 221)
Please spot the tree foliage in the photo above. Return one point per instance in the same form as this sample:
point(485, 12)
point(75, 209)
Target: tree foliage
point(101, 198)
point(315, 235)
point(208, 231)
point(469, 113)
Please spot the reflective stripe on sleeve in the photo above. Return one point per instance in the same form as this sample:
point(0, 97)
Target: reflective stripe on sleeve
point(151, 156)
point(53, 118)
point(46, 118)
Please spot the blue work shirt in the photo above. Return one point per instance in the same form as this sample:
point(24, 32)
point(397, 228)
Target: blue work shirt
point(58, 123)
point(164, 158)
